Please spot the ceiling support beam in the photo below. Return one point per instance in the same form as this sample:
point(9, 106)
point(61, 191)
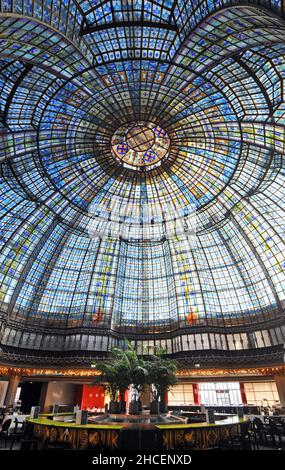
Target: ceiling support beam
point(127, 24)
point(26, 69)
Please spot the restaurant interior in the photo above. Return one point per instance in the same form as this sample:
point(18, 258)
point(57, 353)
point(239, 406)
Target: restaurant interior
point(142, 225)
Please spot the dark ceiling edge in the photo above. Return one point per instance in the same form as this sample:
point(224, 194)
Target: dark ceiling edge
point(273, 356)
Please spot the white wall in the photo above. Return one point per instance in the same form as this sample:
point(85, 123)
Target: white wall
point(59, 393)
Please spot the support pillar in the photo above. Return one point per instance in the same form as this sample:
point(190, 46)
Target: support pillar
point(12, 390)
point(78, 394)
point(165, 398)
point(43, 396)
point(146, 396)
point(280, 384)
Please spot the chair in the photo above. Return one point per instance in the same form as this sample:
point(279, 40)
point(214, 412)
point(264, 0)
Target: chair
point(12, 434)
point(277, 434)
point(253, 438)
point(2, 416)
point(28, 441)
point(281, 422)
point(242, 440)
point(259, 431)
point(17, 433)
point(5, 434)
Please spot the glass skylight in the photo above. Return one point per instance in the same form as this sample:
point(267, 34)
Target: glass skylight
point(112, 110)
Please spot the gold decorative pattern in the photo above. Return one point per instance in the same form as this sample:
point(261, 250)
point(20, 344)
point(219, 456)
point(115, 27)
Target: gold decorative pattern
point(76, 438)
point(182, 373)
point(83, 439)
point(198, 438)
point(189, 437)
point(94, 438)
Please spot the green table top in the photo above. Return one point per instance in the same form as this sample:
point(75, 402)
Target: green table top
point(45, 421)
point(223, 422)
point(48, 422)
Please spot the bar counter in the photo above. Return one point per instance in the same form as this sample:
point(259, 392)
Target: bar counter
point(139, 436)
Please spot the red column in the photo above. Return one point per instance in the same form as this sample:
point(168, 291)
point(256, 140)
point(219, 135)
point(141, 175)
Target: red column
point(127, 397)
point(243, 394)
point(165, 398)
point(196, 394)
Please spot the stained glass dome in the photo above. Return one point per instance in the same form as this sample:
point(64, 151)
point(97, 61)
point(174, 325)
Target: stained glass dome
point(140, 145)
point(142, 175)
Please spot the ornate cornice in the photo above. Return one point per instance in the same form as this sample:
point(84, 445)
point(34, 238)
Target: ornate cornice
point(229, 373)
point(220, 364)
point(6, 371)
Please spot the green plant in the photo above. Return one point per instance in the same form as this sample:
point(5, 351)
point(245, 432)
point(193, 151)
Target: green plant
point(137, 372)
point(125, 367)
point(122, 369)
point(161, 373)
point(109, 378)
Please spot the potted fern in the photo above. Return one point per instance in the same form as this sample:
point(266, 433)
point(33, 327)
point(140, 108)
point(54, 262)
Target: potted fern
point(162, 375)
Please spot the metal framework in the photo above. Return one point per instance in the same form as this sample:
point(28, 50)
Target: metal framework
point(89, 29)
point(207, 80)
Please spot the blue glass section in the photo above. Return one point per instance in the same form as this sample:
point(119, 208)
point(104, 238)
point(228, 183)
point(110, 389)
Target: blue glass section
point(92, 240)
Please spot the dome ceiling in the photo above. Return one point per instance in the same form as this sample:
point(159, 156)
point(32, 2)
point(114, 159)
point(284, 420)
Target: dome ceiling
point(142, 174)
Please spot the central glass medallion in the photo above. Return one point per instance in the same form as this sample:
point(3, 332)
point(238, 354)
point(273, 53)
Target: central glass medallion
point(140, 145)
